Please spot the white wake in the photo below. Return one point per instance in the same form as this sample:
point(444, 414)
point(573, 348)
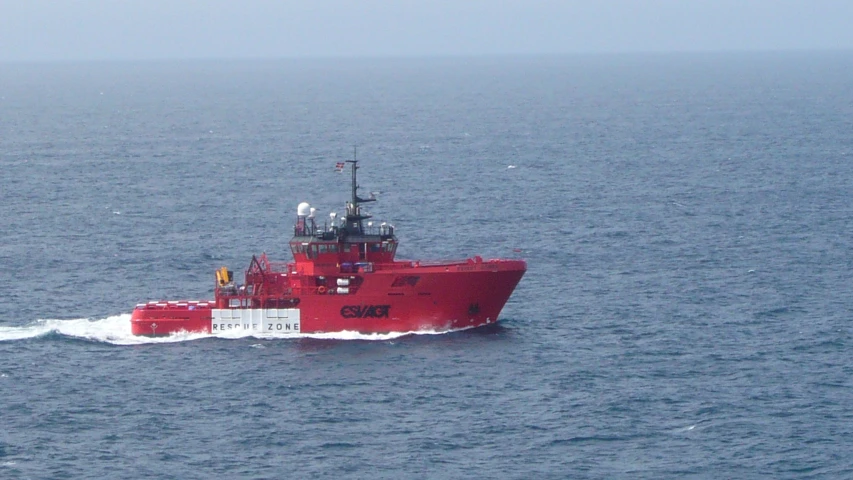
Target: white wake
point(116, 330)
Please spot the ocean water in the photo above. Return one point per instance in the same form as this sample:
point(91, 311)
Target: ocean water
point(686, 311)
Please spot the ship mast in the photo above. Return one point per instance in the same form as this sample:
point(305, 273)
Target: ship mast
point(354, 216)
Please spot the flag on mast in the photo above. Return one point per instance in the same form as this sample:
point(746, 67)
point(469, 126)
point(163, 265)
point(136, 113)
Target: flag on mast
point(339, 167)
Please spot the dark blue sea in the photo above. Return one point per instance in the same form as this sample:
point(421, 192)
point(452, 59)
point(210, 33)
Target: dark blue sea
point(686, 220)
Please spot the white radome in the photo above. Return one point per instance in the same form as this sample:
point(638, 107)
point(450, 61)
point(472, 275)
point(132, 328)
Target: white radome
point(303, 209)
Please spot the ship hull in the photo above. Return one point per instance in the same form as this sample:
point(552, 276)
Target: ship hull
point(420, 298)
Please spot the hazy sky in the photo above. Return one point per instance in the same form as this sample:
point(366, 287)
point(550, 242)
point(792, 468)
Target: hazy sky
point(161, 29)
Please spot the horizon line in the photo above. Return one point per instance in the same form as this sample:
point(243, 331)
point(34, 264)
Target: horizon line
point(434, 56)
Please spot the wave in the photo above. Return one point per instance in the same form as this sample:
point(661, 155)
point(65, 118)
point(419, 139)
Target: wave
point(116, 330)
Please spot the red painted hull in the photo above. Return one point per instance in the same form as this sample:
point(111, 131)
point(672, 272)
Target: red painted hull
point(439, 297)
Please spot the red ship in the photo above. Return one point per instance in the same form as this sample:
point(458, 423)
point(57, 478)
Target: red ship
point(343, 277)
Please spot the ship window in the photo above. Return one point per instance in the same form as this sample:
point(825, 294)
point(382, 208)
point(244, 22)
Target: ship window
point(375, 247)
point(329, 248)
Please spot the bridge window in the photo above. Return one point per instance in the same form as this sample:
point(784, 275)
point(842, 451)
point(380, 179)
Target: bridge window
point(327, 248)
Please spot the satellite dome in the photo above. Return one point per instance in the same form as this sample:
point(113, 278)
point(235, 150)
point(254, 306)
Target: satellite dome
point(303, 209)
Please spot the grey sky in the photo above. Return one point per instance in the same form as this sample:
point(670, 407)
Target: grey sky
point(161, 29)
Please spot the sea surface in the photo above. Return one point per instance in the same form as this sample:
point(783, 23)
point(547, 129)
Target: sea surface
point(686, 220)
